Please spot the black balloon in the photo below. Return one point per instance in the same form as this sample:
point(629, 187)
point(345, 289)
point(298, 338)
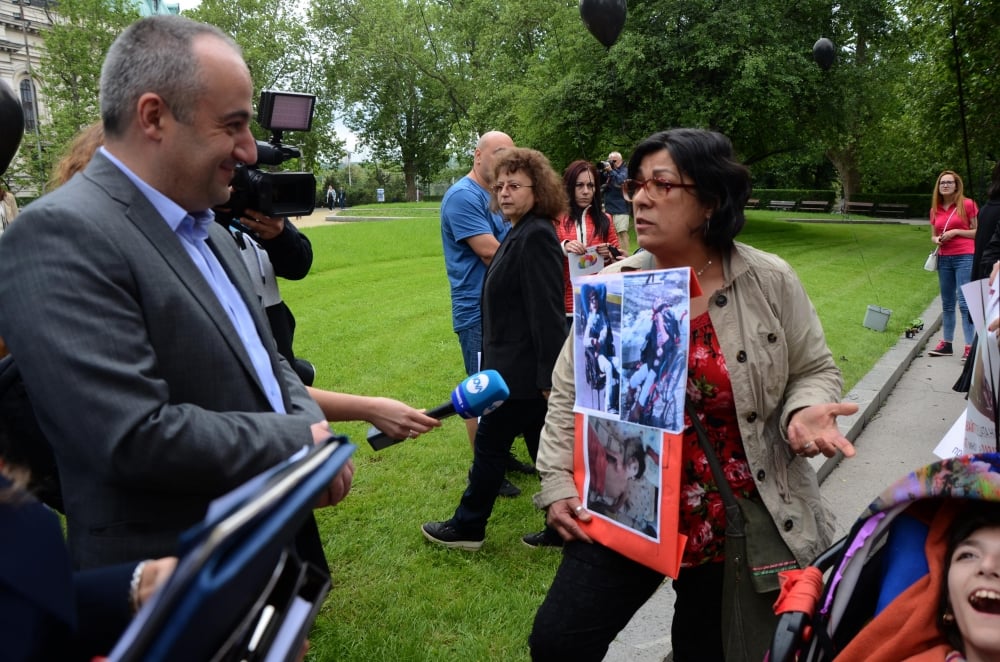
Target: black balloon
point(823, 53)
point(604, 18)
point(12, 123)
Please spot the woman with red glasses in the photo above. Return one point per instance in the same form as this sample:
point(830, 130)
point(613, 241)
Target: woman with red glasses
point(761, 379)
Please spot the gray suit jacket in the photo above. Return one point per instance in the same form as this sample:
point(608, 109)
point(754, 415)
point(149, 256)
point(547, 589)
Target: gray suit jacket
point(138, 378)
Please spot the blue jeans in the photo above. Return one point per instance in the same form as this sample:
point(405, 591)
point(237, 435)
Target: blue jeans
point(953, 272)
point(471, 340)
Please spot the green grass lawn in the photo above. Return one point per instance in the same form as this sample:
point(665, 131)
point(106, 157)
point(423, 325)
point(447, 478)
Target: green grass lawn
point(374, 316)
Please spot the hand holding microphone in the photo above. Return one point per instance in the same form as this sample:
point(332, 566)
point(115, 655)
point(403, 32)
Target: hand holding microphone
point(475, 396)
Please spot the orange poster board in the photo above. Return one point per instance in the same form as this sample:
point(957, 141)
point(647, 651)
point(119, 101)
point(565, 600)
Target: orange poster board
point(631, 338)
point(639, 522)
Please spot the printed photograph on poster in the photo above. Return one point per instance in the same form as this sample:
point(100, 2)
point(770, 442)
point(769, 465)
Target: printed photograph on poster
point(631, 346)
point(654, 339)
point(982, 408)
point(597, 305)
point(623, 474)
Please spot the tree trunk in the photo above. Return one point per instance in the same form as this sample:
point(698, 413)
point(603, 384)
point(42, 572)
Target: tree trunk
point(410, 174)
point(845, 161)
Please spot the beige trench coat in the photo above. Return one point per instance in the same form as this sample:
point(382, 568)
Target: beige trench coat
point(778, 362)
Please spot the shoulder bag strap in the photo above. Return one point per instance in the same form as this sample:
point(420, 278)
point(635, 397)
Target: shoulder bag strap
point(734, 516)
point(948, 220)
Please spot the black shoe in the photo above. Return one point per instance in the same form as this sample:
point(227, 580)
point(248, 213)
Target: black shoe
point(544, 538)
point(445, 533)
point(943, 349)
point(509, 489)
point(514, 464)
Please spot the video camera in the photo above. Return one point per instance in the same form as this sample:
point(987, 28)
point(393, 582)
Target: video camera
point(602, 166)
point(276, 193)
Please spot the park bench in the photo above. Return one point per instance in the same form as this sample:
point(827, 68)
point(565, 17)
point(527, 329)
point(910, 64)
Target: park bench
point(781, 205)
point(752, 203)
point(860, 207)
point(892, 209)
point(814, 205)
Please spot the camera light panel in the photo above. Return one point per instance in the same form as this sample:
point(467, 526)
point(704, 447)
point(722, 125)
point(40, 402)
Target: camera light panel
point(286, 111)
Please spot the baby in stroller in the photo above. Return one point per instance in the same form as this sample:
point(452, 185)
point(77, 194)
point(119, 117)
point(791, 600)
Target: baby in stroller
point(916, 579)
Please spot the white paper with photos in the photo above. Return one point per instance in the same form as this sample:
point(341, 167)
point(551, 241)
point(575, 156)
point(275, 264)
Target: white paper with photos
point(630, 342)
point(981, 410)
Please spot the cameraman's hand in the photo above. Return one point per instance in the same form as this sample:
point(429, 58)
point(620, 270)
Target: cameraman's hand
point(265, 227)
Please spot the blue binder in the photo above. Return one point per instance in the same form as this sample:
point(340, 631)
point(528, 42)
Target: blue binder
point(240, 591)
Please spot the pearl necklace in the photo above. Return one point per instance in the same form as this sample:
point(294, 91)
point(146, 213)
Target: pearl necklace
point(702, 270)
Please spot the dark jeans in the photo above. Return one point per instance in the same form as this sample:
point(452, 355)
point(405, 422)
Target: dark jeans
point(595, 593)
point(496, 434)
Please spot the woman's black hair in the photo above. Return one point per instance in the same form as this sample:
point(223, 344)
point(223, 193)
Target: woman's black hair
point(707, 159)
point(976, 515)
point(602, 226)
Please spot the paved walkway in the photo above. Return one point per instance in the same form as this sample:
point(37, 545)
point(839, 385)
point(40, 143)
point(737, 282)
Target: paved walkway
point(906, 406)
point(324, 216)
point(318, 217)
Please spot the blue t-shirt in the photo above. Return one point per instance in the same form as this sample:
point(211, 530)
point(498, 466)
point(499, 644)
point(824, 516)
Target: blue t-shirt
point(465, 212)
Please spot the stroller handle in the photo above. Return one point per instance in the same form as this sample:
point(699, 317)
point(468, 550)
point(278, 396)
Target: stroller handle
point(790, 631)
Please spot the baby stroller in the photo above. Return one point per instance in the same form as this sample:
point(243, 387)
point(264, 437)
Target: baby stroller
point(876, 590)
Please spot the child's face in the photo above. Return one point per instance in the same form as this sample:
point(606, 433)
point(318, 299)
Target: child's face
point(632, 469)
point(973, 587)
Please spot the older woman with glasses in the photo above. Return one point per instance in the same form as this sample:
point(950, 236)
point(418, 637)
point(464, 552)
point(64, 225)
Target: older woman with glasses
point(953, 229)
point(523, 329)
point(586, 225)
point(761, 379)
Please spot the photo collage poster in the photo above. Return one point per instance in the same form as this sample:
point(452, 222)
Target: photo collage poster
point(975, 431)
point(981, 412)
point(631, 338)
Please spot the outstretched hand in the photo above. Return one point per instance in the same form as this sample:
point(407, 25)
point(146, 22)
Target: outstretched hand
point(398, 419)
point(813, 430)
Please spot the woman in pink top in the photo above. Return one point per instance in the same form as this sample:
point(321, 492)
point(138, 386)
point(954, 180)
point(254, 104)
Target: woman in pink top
point(953, 229)
point(586, 224)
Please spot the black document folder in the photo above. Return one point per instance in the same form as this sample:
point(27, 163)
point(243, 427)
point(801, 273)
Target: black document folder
point(240, 590)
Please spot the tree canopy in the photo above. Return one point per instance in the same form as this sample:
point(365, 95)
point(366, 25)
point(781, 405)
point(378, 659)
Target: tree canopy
point(909, 93)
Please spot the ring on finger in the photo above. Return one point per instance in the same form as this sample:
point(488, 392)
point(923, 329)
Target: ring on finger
point(578, 509)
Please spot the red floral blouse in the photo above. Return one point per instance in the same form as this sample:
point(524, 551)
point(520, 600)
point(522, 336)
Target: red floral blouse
point(702, 513)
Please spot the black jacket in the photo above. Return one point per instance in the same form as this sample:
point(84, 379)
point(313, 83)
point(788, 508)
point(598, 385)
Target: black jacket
point(524, 321)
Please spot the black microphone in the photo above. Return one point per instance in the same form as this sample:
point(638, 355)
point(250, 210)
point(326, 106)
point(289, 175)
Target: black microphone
point(475, 396)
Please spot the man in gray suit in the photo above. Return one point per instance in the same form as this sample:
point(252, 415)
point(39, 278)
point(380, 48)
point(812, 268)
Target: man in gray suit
point(148, 361)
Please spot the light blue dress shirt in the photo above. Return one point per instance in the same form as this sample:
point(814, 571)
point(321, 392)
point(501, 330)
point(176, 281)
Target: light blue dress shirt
point(192, 230)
